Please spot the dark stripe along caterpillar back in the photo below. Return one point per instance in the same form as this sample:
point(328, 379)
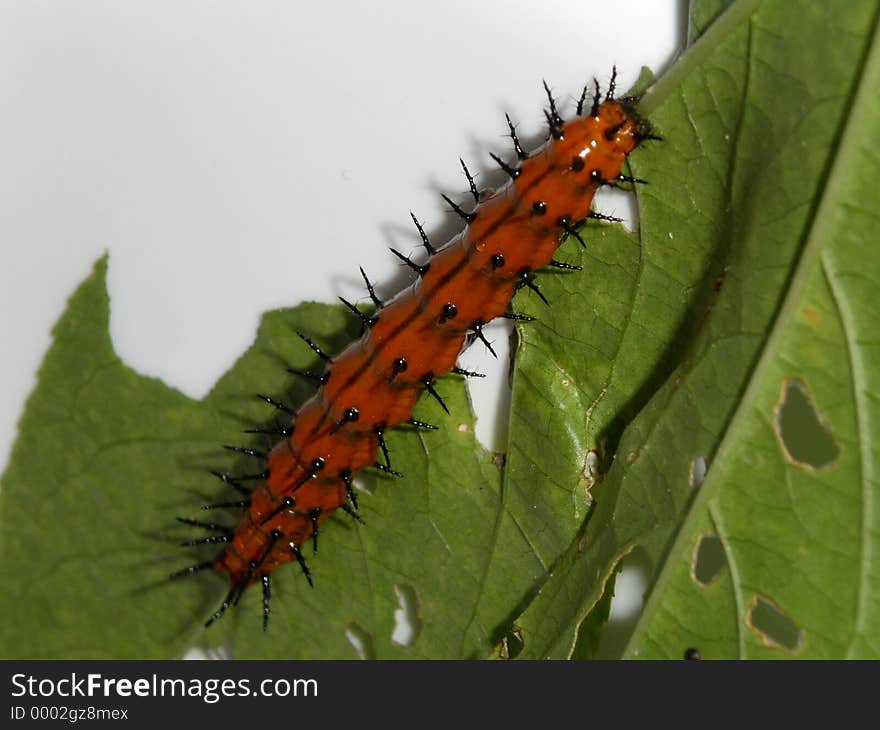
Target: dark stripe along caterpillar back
point(417, 336)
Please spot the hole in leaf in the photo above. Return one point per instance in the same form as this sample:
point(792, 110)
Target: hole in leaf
point(775, 627)
point(358, 483)
point(592, 469)
point(698, 471)
point(693, 654)
point(629, 591)
point(619, 203)
point(361, 640)
point(709, 559)
point(511, 645)
point(630, 587)
point(803, 433)
point(407, 623)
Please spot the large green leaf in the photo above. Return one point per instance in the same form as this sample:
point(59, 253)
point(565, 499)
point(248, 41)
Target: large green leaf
point(791, 495)
point(770, 118)
point(105, 459)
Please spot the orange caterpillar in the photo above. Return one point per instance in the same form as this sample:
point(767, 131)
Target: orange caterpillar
point(417, 336)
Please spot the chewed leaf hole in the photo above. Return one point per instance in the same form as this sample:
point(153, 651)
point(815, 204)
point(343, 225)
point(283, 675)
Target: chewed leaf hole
point(359, 484)
point(407, 623)
point(361, 640)
point(709, 559)
point(775, 627)
point(511, 645)
point(803, 433)
point(698, 471)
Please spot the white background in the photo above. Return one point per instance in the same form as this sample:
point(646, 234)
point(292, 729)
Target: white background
point(239, 156)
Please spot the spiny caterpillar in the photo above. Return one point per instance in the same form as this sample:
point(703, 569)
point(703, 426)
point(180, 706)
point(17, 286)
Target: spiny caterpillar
point(411, 340)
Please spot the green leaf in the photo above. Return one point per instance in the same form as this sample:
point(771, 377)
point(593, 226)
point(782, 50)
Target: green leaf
point(106, 458)
point(792, 497)
point(81, 513)
point(763, 199)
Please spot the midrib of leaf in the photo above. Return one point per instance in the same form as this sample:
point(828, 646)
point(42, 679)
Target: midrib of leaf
point(865, 465)
point(718, 523)
point(820, 230)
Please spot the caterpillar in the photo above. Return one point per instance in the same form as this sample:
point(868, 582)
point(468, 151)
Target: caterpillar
point(414, 338)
